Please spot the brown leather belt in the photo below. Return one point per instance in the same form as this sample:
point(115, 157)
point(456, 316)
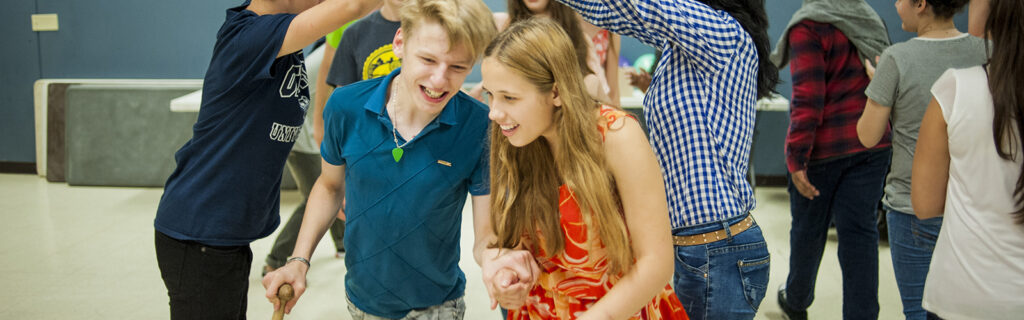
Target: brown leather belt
point(716, 235)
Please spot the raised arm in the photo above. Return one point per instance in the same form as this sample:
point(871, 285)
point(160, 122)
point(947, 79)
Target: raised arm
point(322, 207)
point(639, 183)
point(704, 35)
point(322, 19)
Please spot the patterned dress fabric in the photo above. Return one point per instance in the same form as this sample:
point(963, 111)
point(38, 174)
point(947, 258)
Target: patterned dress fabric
point(575, 279)
point(601, 41)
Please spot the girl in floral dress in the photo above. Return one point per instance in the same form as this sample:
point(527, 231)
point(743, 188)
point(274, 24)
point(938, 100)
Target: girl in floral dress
point(575, 184)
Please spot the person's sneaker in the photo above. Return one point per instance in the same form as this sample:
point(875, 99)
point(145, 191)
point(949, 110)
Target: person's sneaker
point(340, 254)
point(787, 311)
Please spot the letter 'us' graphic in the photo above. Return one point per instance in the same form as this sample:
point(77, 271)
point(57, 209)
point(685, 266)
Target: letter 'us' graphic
point(293, 84)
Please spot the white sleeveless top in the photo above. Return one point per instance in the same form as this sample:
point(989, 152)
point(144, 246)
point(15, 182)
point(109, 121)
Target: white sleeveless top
point(977, 269)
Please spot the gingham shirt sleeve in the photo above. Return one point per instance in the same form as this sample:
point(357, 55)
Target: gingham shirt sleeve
point(706, 36)
point(808, 69)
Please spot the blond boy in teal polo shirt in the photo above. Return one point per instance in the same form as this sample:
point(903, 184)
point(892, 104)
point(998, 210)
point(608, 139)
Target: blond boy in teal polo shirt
point(403, 151)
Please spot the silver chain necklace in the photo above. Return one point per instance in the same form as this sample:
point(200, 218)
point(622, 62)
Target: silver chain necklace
point(397, 151)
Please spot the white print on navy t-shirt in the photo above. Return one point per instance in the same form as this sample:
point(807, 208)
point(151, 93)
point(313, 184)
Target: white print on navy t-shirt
point(293, 83)
point(283, 133)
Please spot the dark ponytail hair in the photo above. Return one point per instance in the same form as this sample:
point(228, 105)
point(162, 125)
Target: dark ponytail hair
point(1005, 29)
point(751, 15)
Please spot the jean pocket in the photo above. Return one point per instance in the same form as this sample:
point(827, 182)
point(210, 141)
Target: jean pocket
point(692, 260)
point(754, 273)
point(691, 276)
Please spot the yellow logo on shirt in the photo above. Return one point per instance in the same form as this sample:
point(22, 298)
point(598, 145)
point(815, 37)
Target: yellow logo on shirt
point(380, 63)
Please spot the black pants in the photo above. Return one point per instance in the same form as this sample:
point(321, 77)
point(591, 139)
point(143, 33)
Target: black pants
point(204, 282)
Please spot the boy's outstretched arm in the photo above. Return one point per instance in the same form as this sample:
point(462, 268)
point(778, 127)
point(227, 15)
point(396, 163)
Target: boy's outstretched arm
point(320, 20)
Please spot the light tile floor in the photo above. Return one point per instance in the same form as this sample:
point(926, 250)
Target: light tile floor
point(87, 253)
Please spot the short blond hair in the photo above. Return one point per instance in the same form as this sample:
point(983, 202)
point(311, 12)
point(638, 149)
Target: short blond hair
point(467, 22)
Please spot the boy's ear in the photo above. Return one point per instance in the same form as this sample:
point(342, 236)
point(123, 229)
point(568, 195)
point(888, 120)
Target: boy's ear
point(398, 44)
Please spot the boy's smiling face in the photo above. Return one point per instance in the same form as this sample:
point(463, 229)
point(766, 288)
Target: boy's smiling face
point(432, 72)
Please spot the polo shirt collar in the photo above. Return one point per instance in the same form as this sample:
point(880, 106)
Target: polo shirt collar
point(375, 104)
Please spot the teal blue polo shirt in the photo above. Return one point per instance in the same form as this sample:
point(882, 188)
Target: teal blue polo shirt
point(403, 219)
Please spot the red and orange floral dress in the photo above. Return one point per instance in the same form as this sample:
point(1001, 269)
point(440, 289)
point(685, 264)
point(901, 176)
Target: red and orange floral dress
point(575, 279)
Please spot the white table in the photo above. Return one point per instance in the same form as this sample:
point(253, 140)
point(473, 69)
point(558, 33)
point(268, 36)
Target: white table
point(187, 103)
point(774, 103)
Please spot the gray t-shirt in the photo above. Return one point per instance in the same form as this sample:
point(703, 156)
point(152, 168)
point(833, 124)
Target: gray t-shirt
point(305, 143)
point(903, 78)
point(365, 51)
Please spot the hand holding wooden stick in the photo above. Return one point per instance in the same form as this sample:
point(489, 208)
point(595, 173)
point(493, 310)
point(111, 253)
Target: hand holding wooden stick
point(284, 293)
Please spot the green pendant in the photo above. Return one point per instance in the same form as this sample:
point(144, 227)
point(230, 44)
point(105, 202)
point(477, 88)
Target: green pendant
point(397, 153)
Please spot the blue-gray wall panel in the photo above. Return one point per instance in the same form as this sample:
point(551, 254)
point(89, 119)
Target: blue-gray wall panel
point(18, 70)
point(131, 38)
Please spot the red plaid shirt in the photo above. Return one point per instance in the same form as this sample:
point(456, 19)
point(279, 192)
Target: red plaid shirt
point(828, 96)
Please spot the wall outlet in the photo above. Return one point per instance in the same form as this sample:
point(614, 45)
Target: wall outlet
point(44, 22)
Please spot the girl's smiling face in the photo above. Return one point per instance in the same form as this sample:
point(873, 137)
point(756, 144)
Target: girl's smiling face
point(520, 109)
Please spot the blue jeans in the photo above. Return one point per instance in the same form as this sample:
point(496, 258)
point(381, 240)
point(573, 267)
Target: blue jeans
point(850, 189)
point(725, 279)
point(911, 242)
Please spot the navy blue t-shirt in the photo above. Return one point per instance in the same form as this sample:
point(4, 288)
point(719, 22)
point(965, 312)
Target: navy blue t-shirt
point(225, 190)
point(403, 219)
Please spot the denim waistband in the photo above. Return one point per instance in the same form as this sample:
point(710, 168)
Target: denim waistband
point(710, 226)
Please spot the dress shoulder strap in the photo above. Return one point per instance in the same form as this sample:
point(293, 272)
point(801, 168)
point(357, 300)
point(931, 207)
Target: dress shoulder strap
point(611, 114)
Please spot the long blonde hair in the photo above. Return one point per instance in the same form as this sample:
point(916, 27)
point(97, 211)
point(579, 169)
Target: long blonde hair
point(525, 180)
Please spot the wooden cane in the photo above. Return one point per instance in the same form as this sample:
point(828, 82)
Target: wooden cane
point(284, 294)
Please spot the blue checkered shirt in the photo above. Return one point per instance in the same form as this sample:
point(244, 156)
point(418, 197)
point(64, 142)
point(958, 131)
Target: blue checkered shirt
point(700, 106)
